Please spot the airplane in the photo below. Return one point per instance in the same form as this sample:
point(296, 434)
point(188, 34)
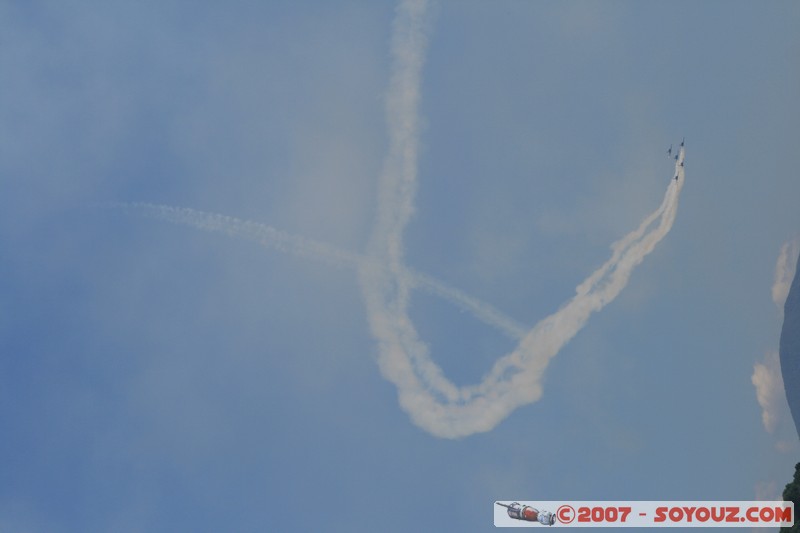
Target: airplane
point(669, 152)
point(677, 156)
point(529, 514)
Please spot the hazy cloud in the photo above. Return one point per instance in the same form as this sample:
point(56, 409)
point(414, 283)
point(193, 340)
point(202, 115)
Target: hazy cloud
point(784, 272)
point(768, 382)
point(767, 378)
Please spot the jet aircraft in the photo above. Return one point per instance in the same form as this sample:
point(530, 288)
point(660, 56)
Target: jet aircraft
point(678, 156)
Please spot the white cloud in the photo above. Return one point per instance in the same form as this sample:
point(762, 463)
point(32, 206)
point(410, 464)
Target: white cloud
point(768, 382)
point(767, 378)
point(784, 272)
point(767, 491)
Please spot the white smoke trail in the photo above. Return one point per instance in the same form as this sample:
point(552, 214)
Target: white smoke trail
point(433, 402)
point(481, 310)
point(309, 248)
point(234, 227)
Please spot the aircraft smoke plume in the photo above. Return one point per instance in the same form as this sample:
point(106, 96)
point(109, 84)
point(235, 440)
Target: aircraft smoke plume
point(271, 237)
point(434, 402)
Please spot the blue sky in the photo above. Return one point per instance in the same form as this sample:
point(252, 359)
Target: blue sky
point(154, 377)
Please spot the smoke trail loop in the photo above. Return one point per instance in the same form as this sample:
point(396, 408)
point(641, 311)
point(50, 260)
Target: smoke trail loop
point(434, 402)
